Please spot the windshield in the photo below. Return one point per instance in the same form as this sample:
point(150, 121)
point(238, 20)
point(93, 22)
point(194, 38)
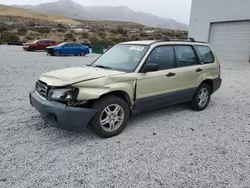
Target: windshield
point(122, 57)
point(35, 41)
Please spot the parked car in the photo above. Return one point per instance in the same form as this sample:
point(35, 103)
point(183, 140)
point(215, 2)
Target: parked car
point(129, 78)
point(14, 40)
point(68, 48)
point(39, 45)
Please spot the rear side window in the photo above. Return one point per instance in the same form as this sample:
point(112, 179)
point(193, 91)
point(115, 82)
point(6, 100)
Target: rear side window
point(185, 56)
point(77, 45)
point(69, 45)
point(206, 54)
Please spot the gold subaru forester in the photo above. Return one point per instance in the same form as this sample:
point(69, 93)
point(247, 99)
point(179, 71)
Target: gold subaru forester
point(129, 78)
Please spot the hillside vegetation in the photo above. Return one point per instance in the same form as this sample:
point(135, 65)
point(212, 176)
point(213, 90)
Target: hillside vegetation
point(30, 25)
point(75, 10)
point(25, 13)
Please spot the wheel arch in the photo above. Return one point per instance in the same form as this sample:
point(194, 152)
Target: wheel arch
point(210, 83)
point(119, 93)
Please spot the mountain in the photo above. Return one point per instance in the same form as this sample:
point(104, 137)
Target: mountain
point(74, 10)
point(6, 11)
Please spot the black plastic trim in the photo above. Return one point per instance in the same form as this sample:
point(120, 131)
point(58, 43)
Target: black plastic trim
point(62, 116)
point(217, 82)
point(154, 102)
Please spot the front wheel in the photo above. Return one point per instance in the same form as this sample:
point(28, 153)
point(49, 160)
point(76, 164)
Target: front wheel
point(32, 49)
point(111, 118)
point(201, 98)
point(57, 53)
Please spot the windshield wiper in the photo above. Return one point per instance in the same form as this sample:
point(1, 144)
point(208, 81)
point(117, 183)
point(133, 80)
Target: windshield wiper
point(103, 67)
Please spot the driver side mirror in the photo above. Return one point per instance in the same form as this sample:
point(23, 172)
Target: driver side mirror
point(150, 67)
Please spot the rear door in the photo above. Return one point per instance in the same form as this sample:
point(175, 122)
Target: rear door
point(77, 48)
point(190, 70)
point(43, 44)
point(39, 45)
point(155, 89)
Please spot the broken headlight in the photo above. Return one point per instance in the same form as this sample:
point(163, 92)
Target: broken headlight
point(63, 94)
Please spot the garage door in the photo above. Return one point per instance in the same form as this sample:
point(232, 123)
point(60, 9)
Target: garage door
point(231, 41)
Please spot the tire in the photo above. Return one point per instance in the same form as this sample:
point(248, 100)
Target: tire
point(57, 53)
point(203, 93)
point(32, 49)
point(106, 111)
point(82, 53)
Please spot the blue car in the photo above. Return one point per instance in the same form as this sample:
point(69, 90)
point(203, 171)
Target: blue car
point(68, 48)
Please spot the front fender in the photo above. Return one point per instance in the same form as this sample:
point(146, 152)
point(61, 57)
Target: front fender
point(96, 92)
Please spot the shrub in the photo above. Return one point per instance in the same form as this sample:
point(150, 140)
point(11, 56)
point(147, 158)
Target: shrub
point(22, 31)
point(134, 37)
point(29, 37)
point(4, 27)
point(143, 34)
point(61, 26)
point(107, 42)
point(61, 30)
point(32, 36)
point(102, 34)
point(95, 38)
point(85, 35)
point(120, 30)
point(42, 30)
point(69, 36)
point(6, 36)
point(31, 24)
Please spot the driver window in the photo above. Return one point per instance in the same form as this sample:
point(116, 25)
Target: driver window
point(163, 56)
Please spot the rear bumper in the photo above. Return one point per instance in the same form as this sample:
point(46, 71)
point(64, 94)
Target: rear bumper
point(62, 116)
point(216, 84)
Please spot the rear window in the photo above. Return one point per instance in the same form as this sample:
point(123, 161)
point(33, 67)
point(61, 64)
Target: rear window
point(205, 54)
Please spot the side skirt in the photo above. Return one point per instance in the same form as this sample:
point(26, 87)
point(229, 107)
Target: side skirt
point(159, 101)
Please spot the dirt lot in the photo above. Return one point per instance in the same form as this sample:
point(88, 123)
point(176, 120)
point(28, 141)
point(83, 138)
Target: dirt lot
point(172, 147)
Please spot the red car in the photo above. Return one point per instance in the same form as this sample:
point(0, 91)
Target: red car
point(39, 45)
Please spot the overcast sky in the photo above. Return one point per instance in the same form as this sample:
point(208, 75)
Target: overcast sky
point(175, 9)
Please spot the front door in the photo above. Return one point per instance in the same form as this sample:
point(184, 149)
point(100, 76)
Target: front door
point(67, 49)
point(155, 89)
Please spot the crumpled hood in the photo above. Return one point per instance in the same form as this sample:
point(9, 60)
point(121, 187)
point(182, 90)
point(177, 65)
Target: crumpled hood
point(73, 75)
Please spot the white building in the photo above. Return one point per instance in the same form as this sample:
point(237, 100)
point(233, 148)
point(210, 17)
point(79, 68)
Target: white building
point(225, 24)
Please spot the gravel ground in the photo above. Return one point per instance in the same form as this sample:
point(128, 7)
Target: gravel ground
point(172, 147)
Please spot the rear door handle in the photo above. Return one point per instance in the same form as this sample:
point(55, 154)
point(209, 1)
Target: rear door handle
point(170, 74)
point(199, 70)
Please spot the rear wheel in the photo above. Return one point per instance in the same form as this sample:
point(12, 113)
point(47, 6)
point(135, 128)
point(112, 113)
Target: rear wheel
point(57, 53)
point(82, 53)
point(112, 116)
point(201, 98)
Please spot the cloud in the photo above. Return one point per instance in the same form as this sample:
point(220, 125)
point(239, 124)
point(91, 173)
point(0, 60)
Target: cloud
point(174, 9)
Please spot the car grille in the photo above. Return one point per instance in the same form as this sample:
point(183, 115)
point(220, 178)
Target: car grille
point(42, 89)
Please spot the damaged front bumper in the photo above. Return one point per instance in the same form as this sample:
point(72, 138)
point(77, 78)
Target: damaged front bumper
point(62, 116)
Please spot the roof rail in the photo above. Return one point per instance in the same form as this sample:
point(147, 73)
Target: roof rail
point(167, 39)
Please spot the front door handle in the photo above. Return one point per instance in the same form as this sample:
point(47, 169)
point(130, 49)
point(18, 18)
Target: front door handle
point(170, 74)
point(199, 70)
